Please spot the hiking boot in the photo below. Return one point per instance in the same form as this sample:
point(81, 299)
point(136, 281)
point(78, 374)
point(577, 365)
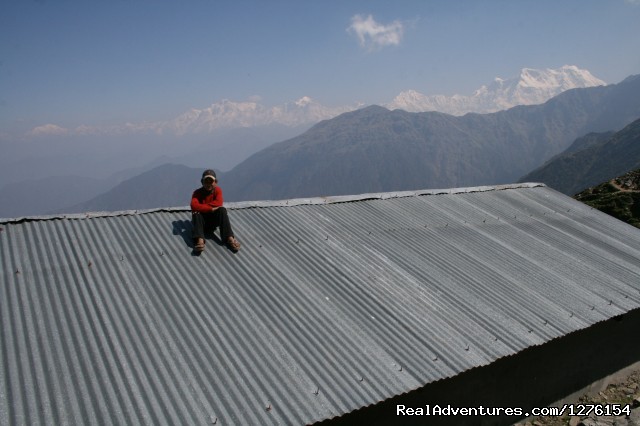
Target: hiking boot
point(199, 245)
point(233, 244)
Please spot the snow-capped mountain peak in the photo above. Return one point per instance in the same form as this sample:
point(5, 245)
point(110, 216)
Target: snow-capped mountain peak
point(230, 114)
point(530, 87)
point(303, 101)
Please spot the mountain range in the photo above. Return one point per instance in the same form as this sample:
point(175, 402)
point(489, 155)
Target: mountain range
point(163, 186)
point(375, 150)
point(591, 160)
point(529, 88)
point(91, 159)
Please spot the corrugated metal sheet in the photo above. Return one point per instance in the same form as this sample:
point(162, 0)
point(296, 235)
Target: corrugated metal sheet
point(332, 304)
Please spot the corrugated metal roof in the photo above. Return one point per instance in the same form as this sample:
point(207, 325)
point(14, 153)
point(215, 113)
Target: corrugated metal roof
point(332, 304)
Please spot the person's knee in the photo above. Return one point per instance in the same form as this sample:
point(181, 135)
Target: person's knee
point(221, 211)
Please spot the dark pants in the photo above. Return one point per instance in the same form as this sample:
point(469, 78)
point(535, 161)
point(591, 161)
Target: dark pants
point(210, 221)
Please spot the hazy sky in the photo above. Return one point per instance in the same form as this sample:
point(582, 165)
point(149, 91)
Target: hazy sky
point(73, 62)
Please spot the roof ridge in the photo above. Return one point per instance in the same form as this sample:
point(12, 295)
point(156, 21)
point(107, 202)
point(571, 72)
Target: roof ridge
point(334, 199)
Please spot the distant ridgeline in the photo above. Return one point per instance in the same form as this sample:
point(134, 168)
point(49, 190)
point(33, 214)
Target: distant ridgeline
point(591, 160)
point(619, 197)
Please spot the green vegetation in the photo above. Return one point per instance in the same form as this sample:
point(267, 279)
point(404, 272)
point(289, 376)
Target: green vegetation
point(620, 197)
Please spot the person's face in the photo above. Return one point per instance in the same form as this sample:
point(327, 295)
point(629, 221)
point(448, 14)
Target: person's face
point(209, 184)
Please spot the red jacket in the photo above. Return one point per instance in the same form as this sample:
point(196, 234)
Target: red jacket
point(204, 202)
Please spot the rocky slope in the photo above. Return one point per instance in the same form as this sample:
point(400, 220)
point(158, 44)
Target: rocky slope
point(624, 392)
point(619, 197)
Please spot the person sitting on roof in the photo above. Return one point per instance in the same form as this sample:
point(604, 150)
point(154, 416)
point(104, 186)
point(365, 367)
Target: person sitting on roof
point(207, 213)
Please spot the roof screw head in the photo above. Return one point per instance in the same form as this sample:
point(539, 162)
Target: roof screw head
point(214, 420)
point(17, 271)
point(268, 407)
point(466, 348)
point(89, 264)
point(360, 378)
point(315, 392)
point(545, 322)
point(610, 302)
point(570, 314)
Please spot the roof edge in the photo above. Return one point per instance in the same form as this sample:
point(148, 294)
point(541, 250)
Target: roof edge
point(282, 203)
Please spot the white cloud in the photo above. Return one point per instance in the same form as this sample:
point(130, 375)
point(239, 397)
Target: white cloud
point(48, 129)
point(372, 35)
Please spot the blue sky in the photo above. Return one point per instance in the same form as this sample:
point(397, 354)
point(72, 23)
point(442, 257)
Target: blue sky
point(73, 62)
